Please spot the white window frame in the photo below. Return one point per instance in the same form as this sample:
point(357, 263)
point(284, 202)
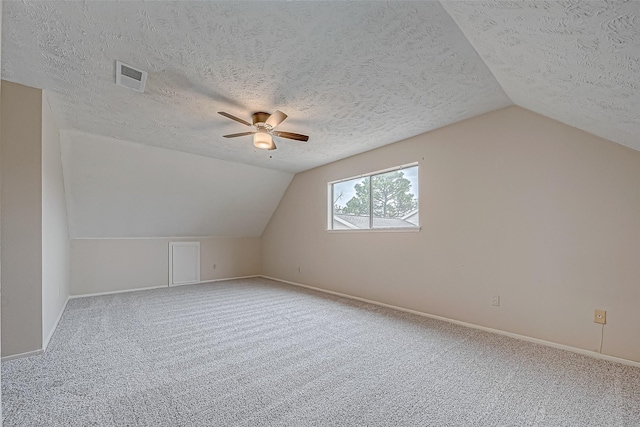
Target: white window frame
point(330, 198)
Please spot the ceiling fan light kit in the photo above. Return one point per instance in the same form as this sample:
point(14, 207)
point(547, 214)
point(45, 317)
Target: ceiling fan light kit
point(262, 139)
point(265, 124)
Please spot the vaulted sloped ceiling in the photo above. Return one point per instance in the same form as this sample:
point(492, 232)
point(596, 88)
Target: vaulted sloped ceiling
point(351, 75)
point(575, 61)
point(117, 188)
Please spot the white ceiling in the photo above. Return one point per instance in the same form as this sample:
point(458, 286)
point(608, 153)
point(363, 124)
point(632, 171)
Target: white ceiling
point(352, 75)
point(576, 61)
point(116, 188)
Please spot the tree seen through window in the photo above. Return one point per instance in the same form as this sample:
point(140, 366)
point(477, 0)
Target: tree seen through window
point(394, 200)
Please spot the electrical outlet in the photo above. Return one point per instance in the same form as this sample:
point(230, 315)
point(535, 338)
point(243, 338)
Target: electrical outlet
point(495, 301)
point(600, 316)
point(298, 269)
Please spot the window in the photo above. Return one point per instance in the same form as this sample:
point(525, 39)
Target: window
point(386, 199)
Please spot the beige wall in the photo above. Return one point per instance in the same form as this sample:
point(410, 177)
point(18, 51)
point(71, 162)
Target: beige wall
point(512, 203)
point(107, 265)
point(55, 234)
point(21, 205)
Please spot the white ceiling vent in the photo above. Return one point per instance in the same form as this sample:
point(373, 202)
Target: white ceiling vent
point(130, 77)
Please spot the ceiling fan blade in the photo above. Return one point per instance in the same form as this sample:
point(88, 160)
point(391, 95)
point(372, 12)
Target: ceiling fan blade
point(275, 119)
point(235, 135)
point(229, 116)
point(291, 135)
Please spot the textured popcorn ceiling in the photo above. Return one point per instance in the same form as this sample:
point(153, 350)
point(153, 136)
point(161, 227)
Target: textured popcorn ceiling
point(352, 75)
point(575, 61)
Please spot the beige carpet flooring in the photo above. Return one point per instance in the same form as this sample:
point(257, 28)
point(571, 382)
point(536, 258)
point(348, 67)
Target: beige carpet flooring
point(259, 353)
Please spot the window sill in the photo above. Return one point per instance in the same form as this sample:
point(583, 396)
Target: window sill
point(378, 230)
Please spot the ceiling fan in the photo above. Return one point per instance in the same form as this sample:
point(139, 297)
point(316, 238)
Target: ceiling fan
point(264, 124)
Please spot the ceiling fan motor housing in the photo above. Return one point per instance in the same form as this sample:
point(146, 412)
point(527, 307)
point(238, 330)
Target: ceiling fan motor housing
point(260, 118)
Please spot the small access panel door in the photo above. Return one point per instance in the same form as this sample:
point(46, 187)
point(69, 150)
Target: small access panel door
point(184, 263)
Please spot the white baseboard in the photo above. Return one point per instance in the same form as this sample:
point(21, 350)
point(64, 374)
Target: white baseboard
point(21, 355)
point(45, 344)
point(215, 280)
point(232, 278)
point(96, 294)
point(589, 353)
